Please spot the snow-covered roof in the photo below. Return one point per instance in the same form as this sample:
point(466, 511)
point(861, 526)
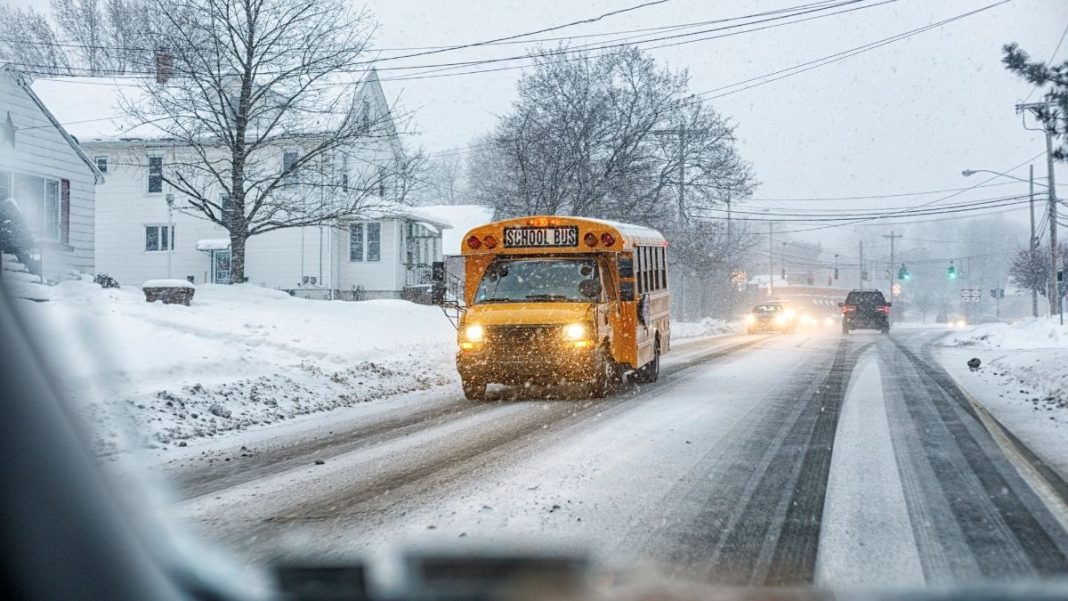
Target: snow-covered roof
point(392, 210)
point(461, 217)
point(24, 82)
point(213, 244)
point(90, 108)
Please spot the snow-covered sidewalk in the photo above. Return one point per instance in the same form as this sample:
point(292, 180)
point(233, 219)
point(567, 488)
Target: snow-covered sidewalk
point(1023, 380)
point(239, 357)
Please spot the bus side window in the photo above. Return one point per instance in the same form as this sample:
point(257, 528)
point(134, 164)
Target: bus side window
point(657, 266)
point(640, 268)
point(664, 270)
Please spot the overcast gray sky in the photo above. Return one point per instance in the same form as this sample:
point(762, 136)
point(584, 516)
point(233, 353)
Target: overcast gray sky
point(905, 117)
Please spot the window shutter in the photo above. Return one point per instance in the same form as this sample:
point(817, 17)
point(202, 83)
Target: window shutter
point(64, 211)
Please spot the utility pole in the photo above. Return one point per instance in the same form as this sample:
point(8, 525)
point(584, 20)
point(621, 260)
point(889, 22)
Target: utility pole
point(784, 262)
point(1055, 286)
point(892, 237)
point(682, 133)
point(771, 259)
point(1034, 241)
point(1053, 289)
point(860, 272)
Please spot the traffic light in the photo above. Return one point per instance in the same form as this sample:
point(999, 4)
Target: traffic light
point(903, 273)
point(951, 273)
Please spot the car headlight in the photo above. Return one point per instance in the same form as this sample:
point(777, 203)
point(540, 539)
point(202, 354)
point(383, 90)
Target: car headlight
point(961, 323)
point(474, 332)
point(575, 331)
point(750, 318)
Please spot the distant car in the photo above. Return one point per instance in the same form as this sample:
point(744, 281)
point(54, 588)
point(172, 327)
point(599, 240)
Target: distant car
point(772, 316)
point(865, 309)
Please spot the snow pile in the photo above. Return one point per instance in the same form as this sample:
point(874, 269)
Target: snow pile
point(239, 356)
point(1028, 333)
point(1023, 365)
point(706, 327)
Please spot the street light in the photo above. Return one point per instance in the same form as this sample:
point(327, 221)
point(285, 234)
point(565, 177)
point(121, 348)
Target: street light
point(971, 172)
point(1031, 205)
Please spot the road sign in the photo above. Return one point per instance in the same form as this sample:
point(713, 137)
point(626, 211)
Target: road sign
point(970, 295)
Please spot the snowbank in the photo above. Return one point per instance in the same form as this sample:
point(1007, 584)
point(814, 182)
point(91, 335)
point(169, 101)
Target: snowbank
point(239, 356)
point(1022, 380)
point(706, 327)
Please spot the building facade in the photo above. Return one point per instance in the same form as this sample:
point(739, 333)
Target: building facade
point(146, 230)
point(50, 178)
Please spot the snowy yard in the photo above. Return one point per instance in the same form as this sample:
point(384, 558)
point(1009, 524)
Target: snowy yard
point(239, 357)
point(1022, 381)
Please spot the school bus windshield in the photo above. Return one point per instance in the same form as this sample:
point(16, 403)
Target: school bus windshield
point(524, 280)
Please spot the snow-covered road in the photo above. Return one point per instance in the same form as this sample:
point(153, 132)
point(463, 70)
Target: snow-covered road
point(847, 461)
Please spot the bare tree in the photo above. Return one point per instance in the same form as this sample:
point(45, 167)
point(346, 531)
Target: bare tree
point(596, 135)
point(443, 180)
point(28, 41)
point(269, 127)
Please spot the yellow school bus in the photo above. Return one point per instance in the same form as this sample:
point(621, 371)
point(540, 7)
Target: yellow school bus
point(553, 299)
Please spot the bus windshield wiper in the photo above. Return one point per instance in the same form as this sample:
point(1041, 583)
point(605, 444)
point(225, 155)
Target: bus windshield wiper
point(502, 299)
point(551, 297)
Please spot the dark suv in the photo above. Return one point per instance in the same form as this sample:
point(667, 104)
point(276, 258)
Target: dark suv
point(865, 309)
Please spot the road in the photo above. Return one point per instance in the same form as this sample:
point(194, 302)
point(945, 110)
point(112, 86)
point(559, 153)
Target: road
point(844, 460)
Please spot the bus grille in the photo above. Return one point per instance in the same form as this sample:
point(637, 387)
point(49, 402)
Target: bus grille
point(522, 341)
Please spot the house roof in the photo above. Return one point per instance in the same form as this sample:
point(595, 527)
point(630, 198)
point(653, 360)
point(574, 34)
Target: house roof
point(91, 108)
point(392, 210)
point(24, 82)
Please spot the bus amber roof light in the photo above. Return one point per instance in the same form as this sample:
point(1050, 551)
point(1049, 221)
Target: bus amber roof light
point(590, 239)
point(473, 242)
point(608, 239)
point(490, 242)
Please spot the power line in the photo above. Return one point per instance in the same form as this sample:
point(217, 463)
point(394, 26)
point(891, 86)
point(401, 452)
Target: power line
point(838, 56)
point(435, 69)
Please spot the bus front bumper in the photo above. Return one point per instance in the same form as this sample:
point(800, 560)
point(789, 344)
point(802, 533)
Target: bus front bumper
point(536, 366)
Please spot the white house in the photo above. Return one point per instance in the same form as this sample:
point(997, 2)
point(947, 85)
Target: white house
point(49, 176)
point(146, 231)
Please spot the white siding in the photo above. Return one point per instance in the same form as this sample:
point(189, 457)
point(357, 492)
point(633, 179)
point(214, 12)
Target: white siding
point(41, 150)
point(372, 276)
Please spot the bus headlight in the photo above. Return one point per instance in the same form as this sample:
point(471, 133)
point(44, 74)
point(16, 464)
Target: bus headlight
point(474, 333)
point(750, 318)
point(575, 331)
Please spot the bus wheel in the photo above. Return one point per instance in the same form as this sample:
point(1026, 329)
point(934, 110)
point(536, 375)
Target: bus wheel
point(650, 372)
point(474, 390)
point(604, 374)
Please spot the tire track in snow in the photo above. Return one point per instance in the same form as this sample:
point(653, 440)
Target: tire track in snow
point(201, 479)
point(760, 507)
point(971, 512)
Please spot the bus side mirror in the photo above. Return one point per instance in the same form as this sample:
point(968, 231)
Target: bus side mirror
point(626, 291)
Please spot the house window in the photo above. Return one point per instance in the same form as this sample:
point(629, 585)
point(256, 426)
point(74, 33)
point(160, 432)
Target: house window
point(64, 211)
point(356, 242)
point(344, 173)
point(51, 212)
point(155, 175)
point(101, 164)
point(159, 237)
point(289, 159)
point(38, 200)
point(227, 206)
point(374, 241)
point(365, 241)
point(365, 115)
point(382, 182)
